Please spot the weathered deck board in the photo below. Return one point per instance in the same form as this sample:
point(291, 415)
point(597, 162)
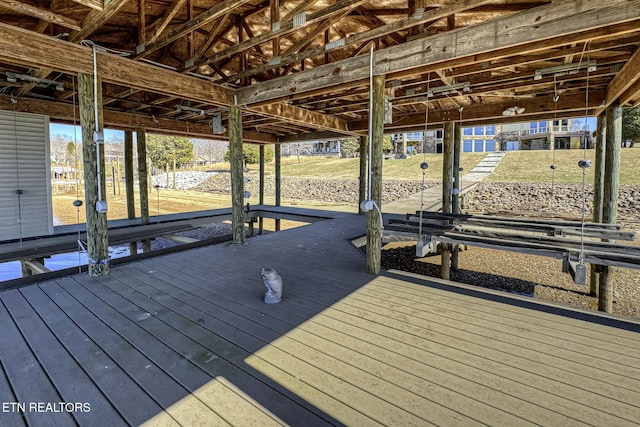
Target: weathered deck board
point(185, 338)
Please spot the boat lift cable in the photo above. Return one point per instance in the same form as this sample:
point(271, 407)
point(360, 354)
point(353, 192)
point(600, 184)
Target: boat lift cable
point(424, 165)
point(77, 203)
point(18, 189)
point(370, 204)
point(584, 163)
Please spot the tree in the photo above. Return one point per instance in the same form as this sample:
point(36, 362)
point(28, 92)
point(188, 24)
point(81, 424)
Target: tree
point(213, 151)
point(163, 150)
point(350, 147)
point(251, 154)
point(631, 124)
point(387, 144)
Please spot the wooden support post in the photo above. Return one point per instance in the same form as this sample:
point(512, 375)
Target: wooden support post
point(237, 173)
point(128, 174)
point(261, 188)
point(143, 182)
point(374, 241)
point(610, 198)
point(598, 191)
point(447, 186)
point(97, 236)
point(455, 203)
point(278, 158)
point(362, 181)
point(33, 266)
point(128, 183)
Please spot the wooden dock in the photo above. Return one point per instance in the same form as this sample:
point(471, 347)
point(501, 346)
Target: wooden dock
point(185, 339)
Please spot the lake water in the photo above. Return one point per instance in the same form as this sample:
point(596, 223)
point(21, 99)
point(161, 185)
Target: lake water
point(13, 269)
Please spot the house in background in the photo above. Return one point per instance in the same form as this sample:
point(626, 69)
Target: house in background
point(560, 134)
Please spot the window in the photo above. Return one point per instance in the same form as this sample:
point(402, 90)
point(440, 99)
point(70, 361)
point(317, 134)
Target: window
point(490, 145)
point(467, 146)
point(490, 130)
point(478, 130)
point(467, 131)
point(478, 146)
point(440, 134)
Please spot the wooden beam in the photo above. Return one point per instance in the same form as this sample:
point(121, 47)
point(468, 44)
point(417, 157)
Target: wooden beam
point(278, 179)
point(237, 174)
point(165, 20)
point(27, 48)
point(632, 95)
point(40, 13)
point(199, 21)
point(482, 113)
point(128, 121)
point(299, 115)
point(375, 33)
point(93, 4)
point(610, 199)
point(213, 34)
point(93, 160)
point(285, 28)
point(626, 78)
point(142, 22)
point(374, 224)
point(550, 22)
point(96, 19)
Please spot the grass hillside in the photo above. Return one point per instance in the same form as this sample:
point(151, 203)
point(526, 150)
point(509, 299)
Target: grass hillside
point(535, 166)
point(409, 169)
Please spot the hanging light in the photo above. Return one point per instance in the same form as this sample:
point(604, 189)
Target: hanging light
point(512, 111)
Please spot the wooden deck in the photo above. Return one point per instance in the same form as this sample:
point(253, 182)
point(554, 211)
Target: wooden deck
point(184, 339)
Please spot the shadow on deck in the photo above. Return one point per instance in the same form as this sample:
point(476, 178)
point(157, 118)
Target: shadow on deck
point(185, 339)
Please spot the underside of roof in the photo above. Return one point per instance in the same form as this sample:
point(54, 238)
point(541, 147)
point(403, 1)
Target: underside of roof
point(300, 68)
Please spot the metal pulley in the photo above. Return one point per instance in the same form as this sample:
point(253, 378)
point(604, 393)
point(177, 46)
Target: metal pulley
point(584, 163)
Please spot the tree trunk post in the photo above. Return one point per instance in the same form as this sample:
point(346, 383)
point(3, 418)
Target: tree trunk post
point(457, 148)
point(362, 180)
point(237, 174)
point(374, 241)
point(128, 183)
point(447, 187)
point(143, 182)
point(598, 191)
point(278, 158)
point(610, 199)
point(93, 157)
point(261, 188)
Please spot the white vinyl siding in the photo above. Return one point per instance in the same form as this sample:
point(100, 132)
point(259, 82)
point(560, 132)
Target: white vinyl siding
point(24, 164)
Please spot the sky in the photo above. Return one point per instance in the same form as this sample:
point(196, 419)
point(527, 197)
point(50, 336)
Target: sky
point(61, 129)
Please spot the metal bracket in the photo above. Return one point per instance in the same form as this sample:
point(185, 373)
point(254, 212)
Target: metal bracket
point(578, 271)
point(426, 245)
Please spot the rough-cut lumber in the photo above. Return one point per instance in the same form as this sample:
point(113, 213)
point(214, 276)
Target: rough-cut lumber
point(39, 51)
point(237, 173)
point(97, 237)
point(43, 14)
point(374, 225)
point(548, 23)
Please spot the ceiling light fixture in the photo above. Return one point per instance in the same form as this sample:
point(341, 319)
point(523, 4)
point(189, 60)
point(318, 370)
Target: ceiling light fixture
point(14, 77)
point(512, 111)
point(561, 70)
point(449, 89)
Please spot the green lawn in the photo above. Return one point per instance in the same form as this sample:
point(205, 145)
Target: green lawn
point(408, 169)
point(535, 166)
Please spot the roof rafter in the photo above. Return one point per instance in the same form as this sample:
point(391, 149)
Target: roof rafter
point(542, 23)
point(285, 28)
point(217, 11)
point(430, 16)
point(43, 14)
